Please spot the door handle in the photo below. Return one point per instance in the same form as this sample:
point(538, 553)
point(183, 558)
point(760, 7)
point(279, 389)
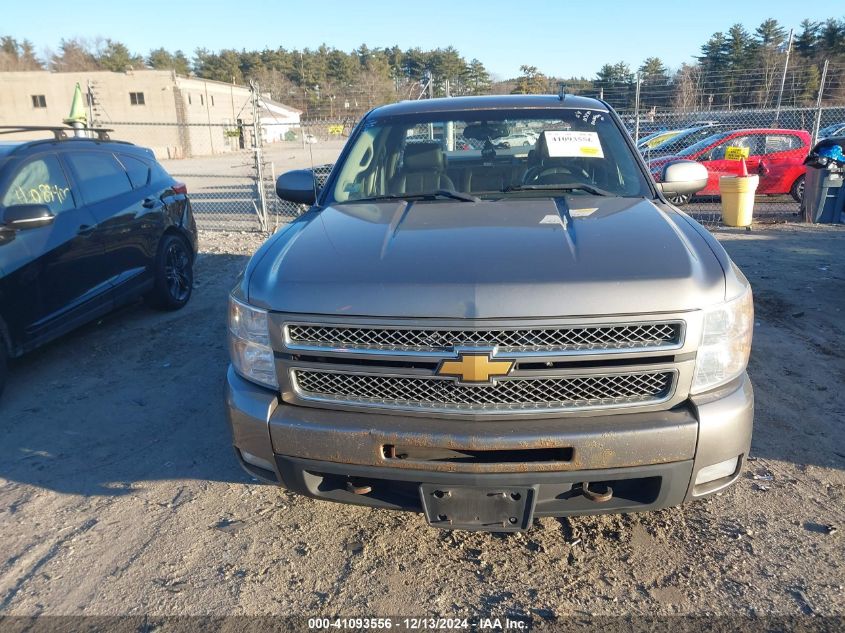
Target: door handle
point(148, 203)
point(85, 229)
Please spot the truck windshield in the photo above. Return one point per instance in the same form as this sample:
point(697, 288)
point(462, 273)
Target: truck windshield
point(488, 155)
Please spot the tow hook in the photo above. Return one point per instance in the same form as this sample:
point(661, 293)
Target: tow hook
point(595, 496)
point(358, 488)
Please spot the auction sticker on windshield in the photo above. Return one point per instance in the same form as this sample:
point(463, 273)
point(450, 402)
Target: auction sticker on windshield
point(569, 144)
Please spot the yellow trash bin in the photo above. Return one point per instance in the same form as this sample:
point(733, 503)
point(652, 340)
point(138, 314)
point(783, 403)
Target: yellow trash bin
point(738, 199)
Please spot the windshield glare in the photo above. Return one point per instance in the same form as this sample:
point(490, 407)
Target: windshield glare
point(489, 154)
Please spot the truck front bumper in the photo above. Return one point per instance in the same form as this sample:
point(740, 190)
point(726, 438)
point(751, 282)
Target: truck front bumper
point(651, 460)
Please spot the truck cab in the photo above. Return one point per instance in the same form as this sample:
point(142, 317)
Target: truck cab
point(492, 334)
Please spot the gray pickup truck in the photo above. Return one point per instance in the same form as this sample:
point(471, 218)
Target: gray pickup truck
point(488, 334)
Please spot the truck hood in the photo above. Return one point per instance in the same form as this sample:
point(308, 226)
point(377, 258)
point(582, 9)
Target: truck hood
point(524, 258)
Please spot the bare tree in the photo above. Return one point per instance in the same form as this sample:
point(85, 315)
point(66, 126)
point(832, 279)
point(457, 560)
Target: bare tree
point(75, 54)
point(687, 87)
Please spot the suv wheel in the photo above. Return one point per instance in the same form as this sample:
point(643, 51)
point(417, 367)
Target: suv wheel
point(173, 274)
point(679, 199)
point(797, 190)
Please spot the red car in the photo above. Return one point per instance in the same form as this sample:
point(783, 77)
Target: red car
point(776, 155)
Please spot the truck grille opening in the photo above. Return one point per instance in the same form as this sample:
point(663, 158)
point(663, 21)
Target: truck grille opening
point(629, 336)
point(469, 456)
point(505, 395)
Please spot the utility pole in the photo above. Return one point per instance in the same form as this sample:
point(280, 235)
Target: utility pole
point(208, 117)
point(783, 77)
point(450, 126)
point(259, 162)
point(818, 120)
point(637, 110)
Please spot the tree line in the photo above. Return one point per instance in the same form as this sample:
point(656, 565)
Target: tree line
point(320, 81)
point(736, 68)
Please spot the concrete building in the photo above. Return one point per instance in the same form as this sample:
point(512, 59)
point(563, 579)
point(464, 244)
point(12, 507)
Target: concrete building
point(175, 116)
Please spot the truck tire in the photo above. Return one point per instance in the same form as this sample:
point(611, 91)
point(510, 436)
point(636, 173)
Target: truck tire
point(173, 274)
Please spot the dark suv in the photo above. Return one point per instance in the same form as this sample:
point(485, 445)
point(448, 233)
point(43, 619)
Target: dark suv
point(86, 226)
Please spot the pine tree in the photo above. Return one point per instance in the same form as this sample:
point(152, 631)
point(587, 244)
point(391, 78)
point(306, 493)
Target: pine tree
point(477, 78)
point(532, 81)
point(162, 59)
point(807, 39)
point(115, 56)
point(16, 55)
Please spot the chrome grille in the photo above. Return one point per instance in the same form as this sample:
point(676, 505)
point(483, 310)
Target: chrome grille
point(629, 336)
point(512, 394)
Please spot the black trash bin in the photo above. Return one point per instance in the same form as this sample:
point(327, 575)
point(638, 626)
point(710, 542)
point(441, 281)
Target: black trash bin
point(824, 194)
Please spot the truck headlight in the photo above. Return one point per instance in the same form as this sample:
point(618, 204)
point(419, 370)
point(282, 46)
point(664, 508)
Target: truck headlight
point(249, 344)
point(725, 342)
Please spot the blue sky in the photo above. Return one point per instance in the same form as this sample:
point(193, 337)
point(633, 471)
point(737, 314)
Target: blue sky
point(561, 38)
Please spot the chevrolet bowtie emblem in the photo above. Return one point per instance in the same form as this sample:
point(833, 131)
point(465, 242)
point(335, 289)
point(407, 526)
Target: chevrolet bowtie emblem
point(475, 368)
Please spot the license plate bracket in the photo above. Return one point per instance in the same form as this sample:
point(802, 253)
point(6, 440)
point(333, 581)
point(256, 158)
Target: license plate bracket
point(494, 508)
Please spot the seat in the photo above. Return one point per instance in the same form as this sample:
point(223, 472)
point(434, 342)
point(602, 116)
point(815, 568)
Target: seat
point(423, 170)
point(487, 178)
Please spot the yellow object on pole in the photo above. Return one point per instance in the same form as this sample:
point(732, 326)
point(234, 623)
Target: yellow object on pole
point(738, 199)
point(77, 110)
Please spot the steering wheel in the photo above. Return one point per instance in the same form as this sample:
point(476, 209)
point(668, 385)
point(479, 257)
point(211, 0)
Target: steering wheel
point(534, 174)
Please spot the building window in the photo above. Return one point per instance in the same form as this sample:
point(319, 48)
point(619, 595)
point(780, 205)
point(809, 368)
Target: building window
point(189, 98)
point(212, 99)
point(39, 101)
point(136, 98)
point(202, 100)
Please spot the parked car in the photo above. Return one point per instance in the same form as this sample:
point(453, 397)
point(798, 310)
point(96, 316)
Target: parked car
point(776, 155)
point(656, 138)
point(837, 129)
point(516, 139)
point(680, 141)
point(86, 226)
point(489, 338)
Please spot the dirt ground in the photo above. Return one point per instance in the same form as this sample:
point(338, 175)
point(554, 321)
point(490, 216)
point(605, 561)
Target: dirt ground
point(119, 492)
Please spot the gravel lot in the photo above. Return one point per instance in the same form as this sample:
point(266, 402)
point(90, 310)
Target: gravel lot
point(119, 492)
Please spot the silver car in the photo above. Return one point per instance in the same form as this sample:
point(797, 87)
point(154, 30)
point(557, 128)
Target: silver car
point(490, 336)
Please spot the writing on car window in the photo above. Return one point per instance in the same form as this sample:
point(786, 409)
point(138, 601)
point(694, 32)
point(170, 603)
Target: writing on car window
point(40, 181)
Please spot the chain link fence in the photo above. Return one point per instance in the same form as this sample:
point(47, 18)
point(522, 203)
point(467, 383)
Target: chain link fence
point(232, 188)
point(230, 171)
point(777, 140)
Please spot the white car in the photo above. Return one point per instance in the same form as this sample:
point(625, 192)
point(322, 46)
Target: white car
point(517, 139)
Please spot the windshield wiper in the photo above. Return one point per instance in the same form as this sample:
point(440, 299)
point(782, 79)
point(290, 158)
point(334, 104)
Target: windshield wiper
point(430, 195)
point(588, 188)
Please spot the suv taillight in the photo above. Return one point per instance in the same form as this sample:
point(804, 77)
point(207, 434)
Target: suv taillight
point(180, 187)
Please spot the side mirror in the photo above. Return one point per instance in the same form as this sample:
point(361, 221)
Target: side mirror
point(682, 178)
point(27, 216)
point(299, 186)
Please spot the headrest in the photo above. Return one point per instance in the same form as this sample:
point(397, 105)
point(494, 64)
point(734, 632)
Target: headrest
point(541, 148)
point(425, 156)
